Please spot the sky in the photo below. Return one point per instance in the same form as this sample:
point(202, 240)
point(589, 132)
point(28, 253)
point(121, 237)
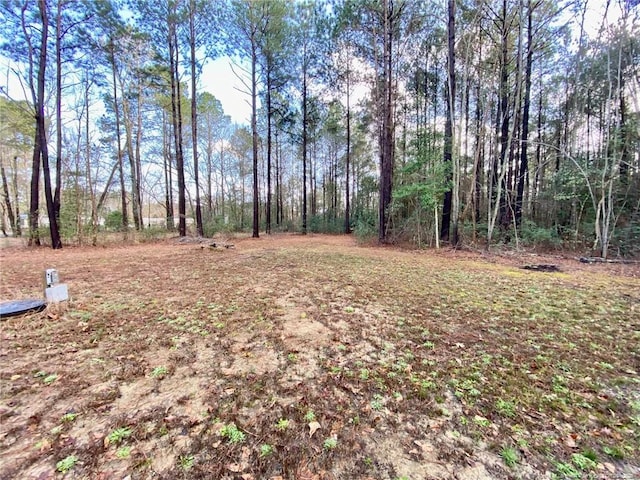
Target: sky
point(219, 79)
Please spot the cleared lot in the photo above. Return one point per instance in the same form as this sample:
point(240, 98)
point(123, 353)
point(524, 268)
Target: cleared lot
point(311, 357)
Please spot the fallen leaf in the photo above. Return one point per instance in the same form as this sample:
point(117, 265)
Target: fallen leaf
point(313, 427)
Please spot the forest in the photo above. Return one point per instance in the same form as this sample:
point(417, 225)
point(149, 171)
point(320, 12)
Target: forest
point(458, 122)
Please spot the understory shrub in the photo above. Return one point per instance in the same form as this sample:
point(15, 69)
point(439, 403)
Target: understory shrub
point(535, 236)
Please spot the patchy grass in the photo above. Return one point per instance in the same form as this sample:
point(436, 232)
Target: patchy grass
point(408, 364)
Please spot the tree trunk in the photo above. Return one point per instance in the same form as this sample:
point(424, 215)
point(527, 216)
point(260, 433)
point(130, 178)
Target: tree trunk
point(168, 187)
point(41, 129)
point(304, 140)
point(448, 131)
point(269, 118)
point(7, 200)
point(128, 131)
point(524, 161)
point(116, 111)
point(254, 135)
point(347, 221)
point(58, 191)
point(194, 117)
point(386, 137)
point(177, 127)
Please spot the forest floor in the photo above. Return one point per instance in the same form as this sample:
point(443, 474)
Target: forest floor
point(290, 357)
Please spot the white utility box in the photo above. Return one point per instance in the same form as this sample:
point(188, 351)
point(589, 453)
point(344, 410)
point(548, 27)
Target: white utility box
point(54, 291)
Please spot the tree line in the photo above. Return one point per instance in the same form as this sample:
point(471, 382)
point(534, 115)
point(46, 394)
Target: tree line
point(458, 121)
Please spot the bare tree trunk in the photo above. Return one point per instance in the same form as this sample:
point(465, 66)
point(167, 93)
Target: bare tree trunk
point(304, 139)
point(448, 132)
point(41, 129)
point(116, 109)
point(347, 206)
point(194, 117)
point(254, 134)
point(168, 184)
point(177, 127)
point(56, 198)
point(7, 200)
point(386, 138)
point(269, 118)
point(524, 161)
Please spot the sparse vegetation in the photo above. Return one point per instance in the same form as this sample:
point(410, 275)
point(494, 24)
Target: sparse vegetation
point(330, 443)
point(119, 435)
point(68, 417)
point(123, 452)
point(470, 353)
point(266, 450)
point(282, 424)
point(186, 462)
point(159, 371)
point(509, 456)
point(232, 433)
point(66, 464)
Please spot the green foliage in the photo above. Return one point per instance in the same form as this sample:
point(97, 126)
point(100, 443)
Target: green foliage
point(66, 464)
point(282, 424)
point(232, 434)
point(533, 235)
point(365, 229)
point(186, 461)
point(326, 224)
point(68, 223)
point(119, 435)
point(627, 239)
point(160, 371)
point(330, 443)
point(266, 450)
point(583, 462)
point(68, 417)
point(506, 408)
point(215, 224)
point(113, 221)
point(509, 456)
point(124, 452)
point(152, 234)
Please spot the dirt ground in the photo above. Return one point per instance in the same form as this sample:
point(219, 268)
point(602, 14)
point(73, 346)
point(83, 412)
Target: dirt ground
point(311, 357)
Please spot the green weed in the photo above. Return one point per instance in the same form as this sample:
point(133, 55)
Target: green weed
point(266, 450)
point(232, 434)
point(123, 452)
point(160, 371)
point(66, 464)
point(186, 461)
point(282, 424)
point(330, 443)
point(68, 417)
point(119, 435)
point(509, 456)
